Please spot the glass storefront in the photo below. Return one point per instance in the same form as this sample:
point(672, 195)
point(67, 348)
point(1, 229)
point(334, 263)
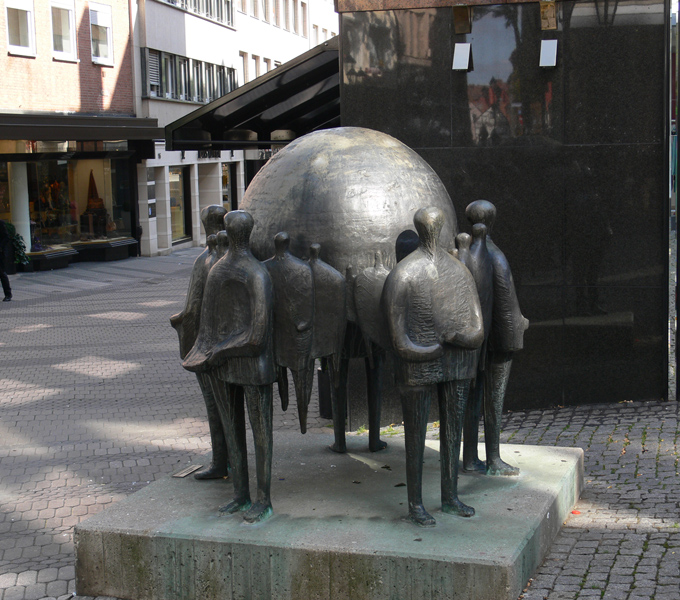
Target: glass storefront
point(180, 208)
point(68, 200)
point(229, 186)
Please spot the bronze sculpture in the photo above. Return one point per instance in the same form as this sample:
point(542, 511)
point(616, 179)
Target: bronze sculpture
point(186, 323)
point(505, 338)
point(236, 340)
point(353, 191)
point(435, 326)
point(447, 315)
point(474, 254)
point(293, 321)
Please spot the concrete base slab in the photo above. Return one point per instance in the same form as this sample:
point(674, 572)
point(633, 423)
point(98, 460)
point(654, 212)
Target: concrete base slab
point(339, 530)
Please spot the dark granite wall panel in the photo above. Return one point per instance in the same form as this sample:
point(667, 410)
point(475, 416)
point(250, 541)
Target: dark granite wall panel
point(573, 157)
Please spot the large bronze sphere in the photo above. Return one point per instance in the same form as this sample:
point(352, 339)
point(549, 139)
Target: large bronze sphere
point(350, 189)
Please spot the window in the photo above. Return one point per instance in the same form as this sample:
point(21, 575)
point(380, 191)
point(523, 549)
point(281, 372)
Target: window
point(254, 8)
point(277, 13)
point(244, 66)
point(303, 11)
point(168, 76)
point(20, 27)
point(286, 14)
point(183, 79)
point(265, 10)
point(315, 34)
point(242, 5)
point(267, 65)
point(221, 11)
point(199, 92)
point(256, 67)
point(100, 32)
point(325, 34)
point(209, 83)
point(296, 18)
point(222, 85)
point(224, 11)
point(63, 30)
point(153, 73)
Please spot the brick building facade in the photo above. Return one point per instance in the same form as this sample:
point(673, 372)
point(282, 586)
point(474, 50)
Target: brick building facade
point(69, 139)
point(45, 79)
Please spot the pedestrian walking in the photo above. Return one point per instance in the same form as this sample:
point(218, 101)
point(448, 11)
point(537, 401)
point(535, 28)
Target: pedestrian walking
point(4, 242)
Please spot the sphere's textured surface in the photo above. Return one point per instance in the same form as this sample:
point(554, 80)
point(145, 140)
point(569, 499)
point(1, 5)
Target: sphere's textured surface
point(351, 190)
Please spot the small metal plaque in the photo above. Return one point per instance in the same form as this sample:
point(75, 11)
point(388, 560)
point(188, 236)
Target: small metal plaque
point(548, 16)
point(187, 471)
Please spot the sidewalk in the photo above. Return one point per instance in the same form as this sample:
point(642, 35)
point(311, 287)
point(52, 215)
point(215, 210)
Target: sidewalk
point(94, 405)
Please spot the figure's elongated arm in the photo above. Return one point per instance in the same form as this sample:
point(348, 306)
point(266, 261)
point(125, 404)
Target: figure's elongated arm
point(261, 302)
point(471, 335)
point(395, 305)
point(250, 341)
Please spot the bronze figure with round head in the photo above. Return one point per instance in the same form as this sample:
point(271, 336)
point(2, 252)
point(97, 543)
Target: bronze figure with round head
point(235, 342)
point(293, 321)
point(435, 325)
point(187, 325)
point(505, 337)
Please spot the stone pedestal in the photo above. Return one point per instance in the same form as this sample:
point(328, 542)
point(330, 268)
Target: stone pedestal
point(338, 531)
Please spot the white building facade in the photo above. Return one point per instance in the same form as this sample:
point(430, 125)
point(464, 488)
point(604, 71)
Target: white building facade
point(186, 54)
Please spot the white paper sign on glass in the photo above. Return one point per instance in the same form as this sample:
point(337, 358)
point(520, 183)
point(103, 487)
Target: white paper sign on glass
point(461, 57)
point(548, 53)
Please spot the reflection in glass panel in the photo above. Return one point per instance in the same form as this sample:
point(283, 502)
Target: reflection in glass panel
point(508, 96)
point(100, 42)
point(53, 210)
point(178, 203)
point(77, 201)
point(17, 27)
point(61, 30)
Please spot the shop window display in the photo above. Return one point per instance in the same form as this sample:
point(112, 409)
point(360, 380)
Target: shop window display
point(53, 212)
point(73, 201)
point(180, 212)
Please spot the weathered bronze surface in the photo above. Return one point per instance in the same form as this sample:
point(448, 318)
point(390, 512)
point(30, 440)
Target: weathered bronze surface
point(293, 320)
point(505, 337)
point(474, 254)
point(330, 310)
point(187, 323)
point(447, 315)
point(353, 191)
point(435, 324)
point(235, 341)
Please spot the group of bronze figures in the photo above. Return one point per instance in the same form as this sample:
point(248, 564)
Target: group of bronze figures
point(450, 320)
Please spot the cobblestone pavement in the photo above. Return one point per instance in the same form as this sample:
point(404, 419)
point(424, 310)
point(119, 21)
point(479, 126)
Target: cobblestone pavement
point(94, 405)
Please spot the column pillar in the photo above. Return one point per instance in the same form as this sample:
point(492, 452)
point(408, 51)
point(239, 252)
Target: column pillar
point(19, 202)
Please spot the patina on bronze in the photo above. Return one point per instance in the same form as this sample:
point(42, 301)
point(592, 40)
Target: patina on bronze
point(186, 324)
point(353, 191)
point(435, 324)
point(236, 341)
point(474, 254)
point(293, 321)
point(504, 339)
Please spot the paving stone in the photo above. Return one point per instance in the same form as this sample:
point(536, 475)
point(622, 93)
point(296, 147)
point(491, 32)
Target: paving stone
point(56, 588)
